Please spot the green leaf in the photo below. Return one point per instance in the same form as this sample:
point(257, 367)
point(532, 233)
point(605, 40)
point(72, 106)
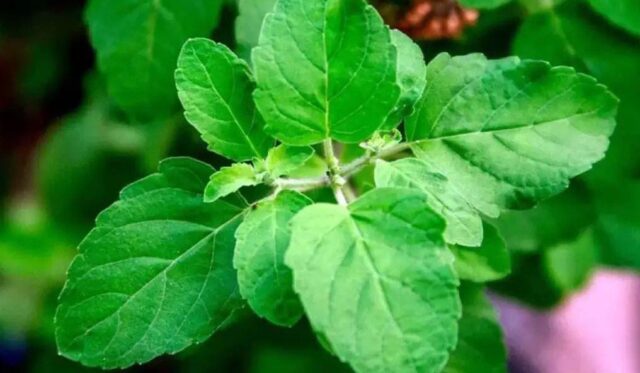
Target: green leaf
point(572, 35)
point(571, 264)
point(229, 180)
point(377, 280)
point(480, 344)
point(489, 262)
point(509, 133)
point(464, 225)
point(32, 247)
point(411, 77)
point(215, 88)
point(484, 4)
point(618, 226)
point(544, 279)
point(289, 359)
point(251, 15)
point(623, 13)
point(261, 242)
point(155, 275)
point(325, 69)
point(530, 282)
point(560, 219)
point(316, 166)
point(74, 158)
point(283, 159)
point(138, 41)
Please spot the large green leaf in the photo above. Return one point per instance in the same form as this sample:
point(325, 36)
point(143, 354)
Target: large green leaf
point(376, 279)
point(262, 240)
point(572, 35)
point(464, 225)
point(480, 344)
point(623, 13)
point(215, 88)
point(508, 133)
point(251, 15)
point(489, 262)
point(155, 275)
point(138, 42)
point(325, 69)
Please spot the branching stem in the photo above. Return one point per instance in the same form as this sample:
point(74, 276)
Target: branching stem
point(336, 180)
point(337, 175)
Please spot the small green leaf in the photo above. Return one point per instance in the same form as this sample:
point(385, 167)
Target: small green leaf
point(215, 88)
point(325, 69)
point(138, 41)
point(229, 180)
point(481, 346)
point(251, 15)
point(316, 166)
point(623, 13)
point(464, 225)
point(411, 77)
point(261, 242)
point(283, 159)
point(155, 275)
point(489, 262)
point(509, 133)
point(571, 264)
point(378, 281)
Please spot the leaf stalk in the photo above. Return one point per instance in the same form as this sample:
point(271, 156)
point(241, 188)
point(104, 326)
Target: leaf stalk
point(337, 175)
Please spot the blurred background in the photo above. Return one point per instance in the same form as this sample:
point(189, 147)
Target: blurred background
point(572, 303)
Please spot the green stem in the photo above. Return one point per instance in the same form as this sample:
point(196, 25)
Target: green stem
point(358, 164)
point(339, 175)
point(336, 180)
point(349, 192)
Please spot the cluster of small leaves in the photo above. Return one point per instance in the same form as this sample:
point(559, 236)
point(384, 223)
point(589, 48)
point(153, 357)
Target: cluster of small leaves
point(390, 280)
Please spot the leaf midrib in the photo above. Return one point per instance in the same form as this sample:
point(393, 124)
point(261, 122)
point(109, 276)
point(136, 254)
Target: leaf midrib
point(369, 262)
